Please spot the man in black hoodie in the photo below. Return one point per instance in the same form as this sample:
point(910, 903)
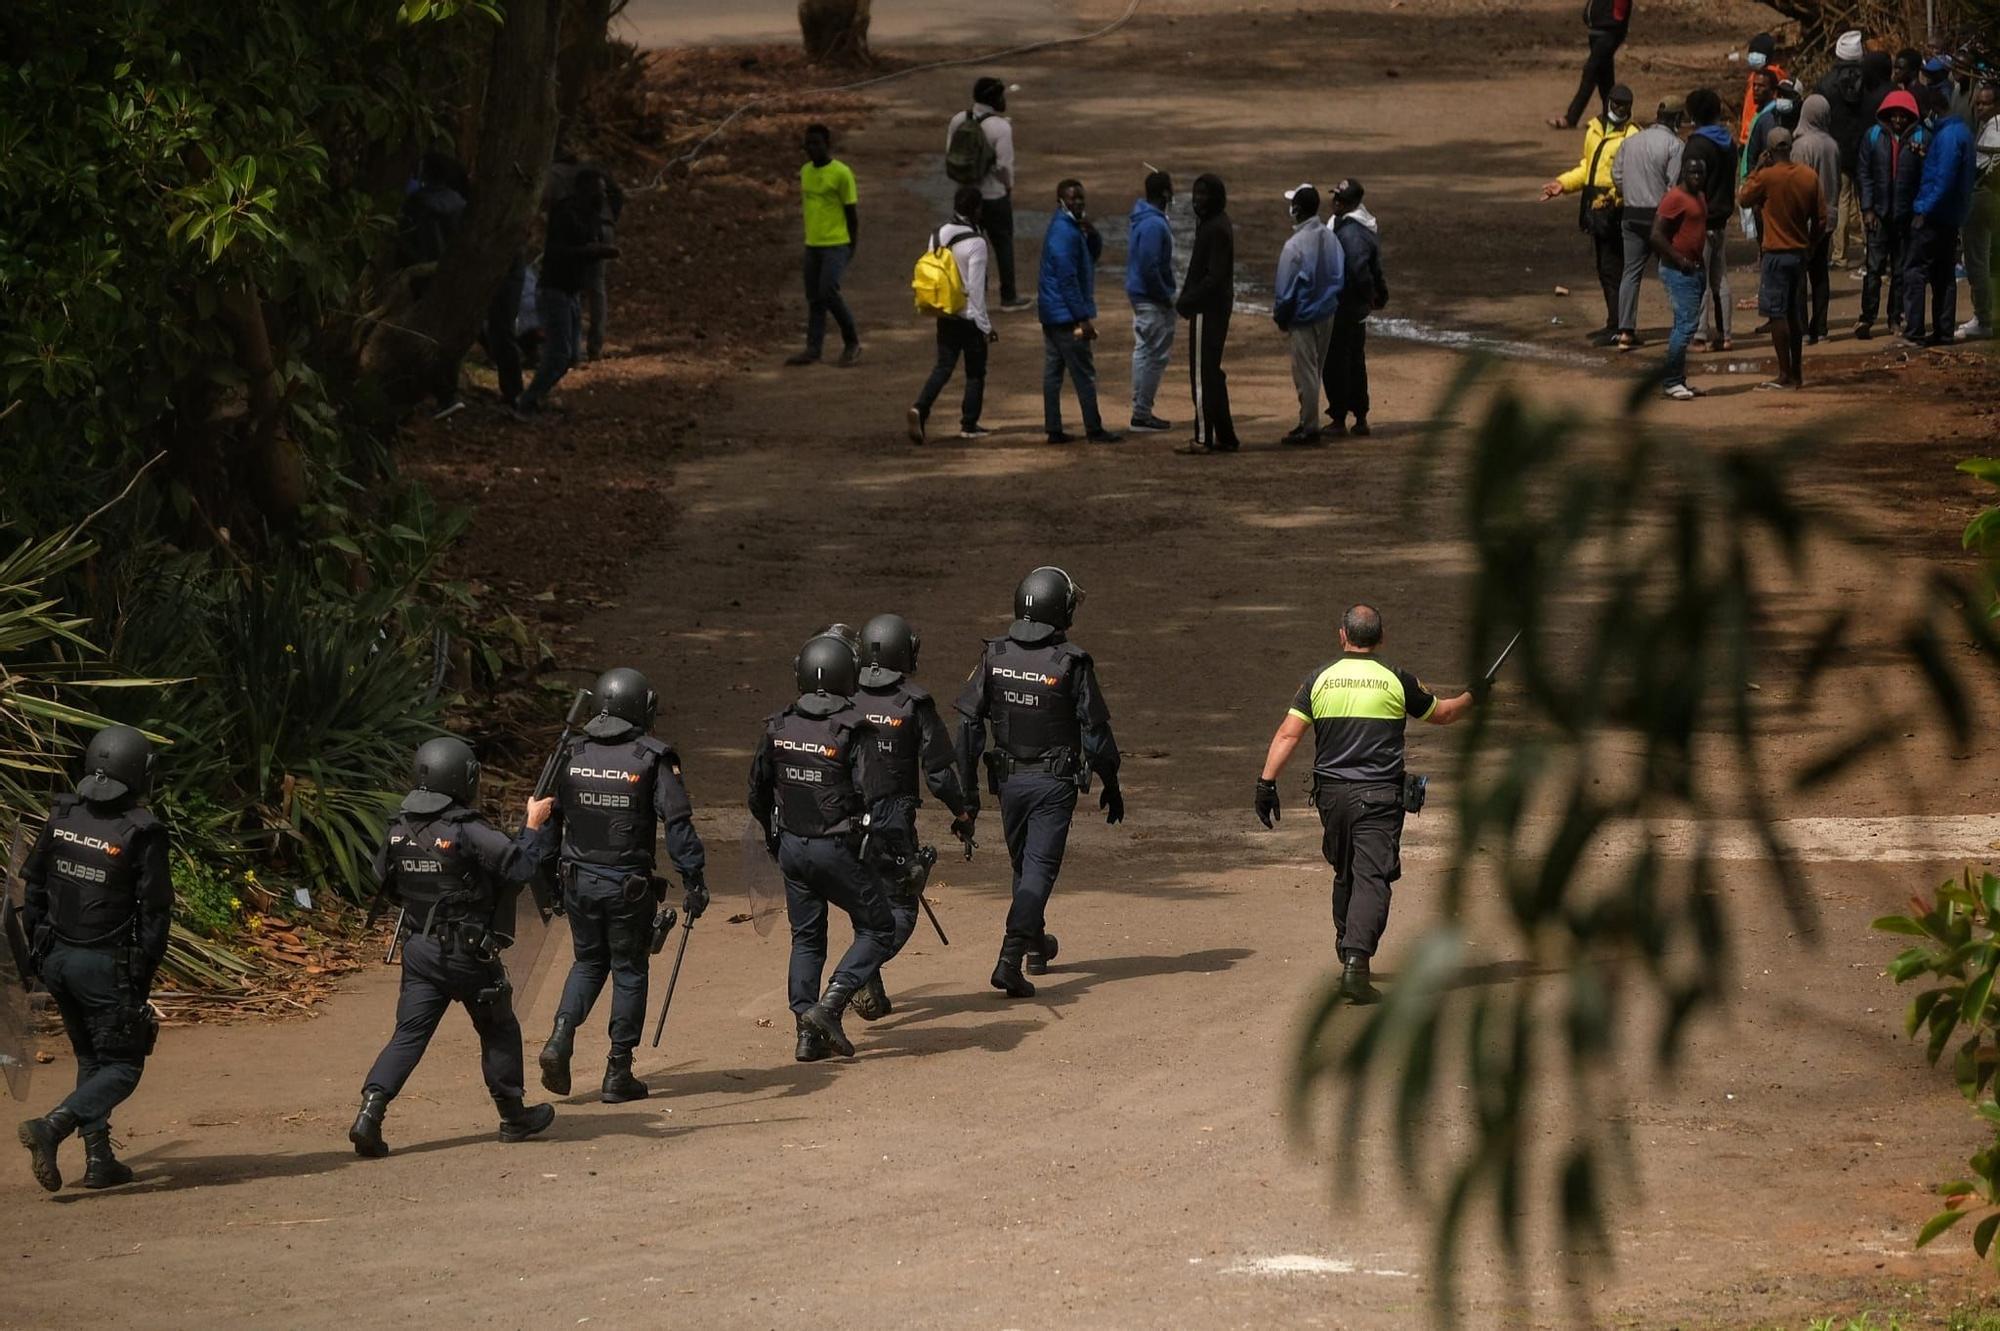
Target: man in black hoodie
point(1845, 88)
point(1208, 292)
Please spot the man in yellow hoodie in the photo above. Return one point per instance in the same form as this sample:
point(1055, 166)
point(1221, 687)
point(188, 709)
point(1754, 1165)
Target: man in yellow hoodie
point(1600, 212)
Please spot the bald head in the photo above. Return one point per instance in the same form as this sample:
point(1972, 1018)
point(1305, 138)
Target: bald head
point(1361, 628)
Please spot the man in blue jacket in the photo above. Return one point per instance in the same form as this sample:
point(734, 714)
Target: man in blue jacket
point(1149, 282)
point(1310, 274)
point(1067, 296)
point(1944, 199)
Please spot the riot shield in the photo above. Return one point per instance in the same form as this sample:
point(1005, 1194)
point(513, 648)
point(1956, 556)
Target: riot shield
point(762, 881)
point(16, 1029)
point(539, 948)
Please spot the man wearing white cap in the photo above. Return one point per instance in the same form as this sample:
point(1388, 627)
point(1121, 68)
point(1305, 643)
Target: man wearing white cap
point(1845, 90)
point(1310, 274)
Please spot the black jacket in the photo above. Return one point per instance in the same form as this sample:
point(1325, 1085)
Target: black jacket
point(1846, 92)
point(1720, 192)
point(1365, 288)
point(1210, 284)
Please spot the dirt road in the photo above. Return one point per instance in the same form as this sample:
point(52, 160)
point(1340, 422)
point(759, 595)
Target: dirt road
point(1111, 1154)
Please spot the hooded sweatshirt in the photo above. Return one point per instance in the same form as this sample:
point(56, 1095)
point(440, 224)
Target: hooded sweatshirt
point(1845, 89)
point(1713, 148)
point(1149, 255)
point(1363, 287)
point(1814, 146)
point(1210, 286)
point(1311, 272)
point(1890, 167)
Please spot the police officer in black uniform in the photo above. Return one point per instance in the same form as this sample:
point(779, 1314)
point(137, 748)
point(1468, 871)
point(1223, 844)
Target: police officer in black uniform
point(1050, 731)
point(618, 787)
point(1357, 708)
point(457, 878)
point(916, 750)
point(807, 782)
point(99, 900)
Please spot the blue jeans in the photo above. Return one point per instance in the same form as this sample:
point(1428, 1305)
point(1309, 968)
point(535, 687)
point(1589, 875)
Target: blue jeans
point(1685, 290)
point(824, 266)
point(1152, 339)
point(1063, 350)
point(561, 315)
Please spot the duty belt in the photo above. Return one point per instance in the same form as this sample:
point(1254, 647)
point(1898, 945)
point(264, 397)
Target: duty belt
point(1057, 762)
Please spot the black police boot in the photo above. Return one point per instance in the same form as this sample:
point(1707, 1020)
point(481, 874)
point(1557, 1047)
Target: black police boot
point(366, 1134)
point(42, 1136)
point(619, 1083)
point(102, 1168)
point(1007, 975)
point(518, 1122)
point(812, 1045)
point(1354, 986)
point(1038, 958)
point(555, 1057)
point(871, 1000)
point(824, 1017)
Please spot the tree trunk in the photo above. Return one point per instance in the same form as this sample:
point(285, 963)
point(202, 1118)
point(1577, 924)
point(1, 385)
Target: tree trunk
point(517, 129)
point(835, 30)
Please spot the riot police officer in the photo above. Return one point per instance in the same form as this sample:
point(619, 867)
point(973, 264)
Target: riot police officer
point(1051, 729)
point(1357, 708)
point(99, 900)
point(457, 878)
point(915, 750)
point(618, 786)
point(813, 764)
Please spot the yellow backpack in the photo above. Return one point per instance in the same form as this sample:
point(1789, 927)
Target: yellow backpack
point(937, 282)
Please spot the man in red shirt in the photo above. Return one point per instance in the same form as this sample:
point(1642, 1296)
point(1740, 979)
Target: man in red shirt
point(1680, 237)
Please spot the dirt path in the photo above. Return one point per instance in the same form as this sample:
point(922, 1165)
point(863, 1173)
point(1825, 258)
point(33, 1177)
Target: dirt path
point(1111, 1154)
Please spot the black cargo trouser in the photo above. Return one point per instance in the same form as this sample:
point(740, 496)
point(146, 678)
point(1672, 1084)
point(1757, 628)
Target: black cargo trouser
point(1363, 843)
point(895, 834)
point(434, 979)
point(103, 1018)
point(821, 872)
point(1036, 809)
point(612, 934)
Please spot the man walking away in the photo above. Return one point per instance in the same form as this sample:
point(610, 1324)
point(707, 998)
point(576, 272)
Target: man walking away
point(990, 167)
point(1149, 282)
point(1643, 171)
point(1891, 166)
point(833, 228)
point(1793, 218)
point(1363, 289)
point(1310, 271)
point(967, 334)
point(1814, 146)
point(1208, 294)
point(1606, 21)
point(1711, 145)
point(596, 298)
point(1599, 212)
point(1845, 88)
point(1944, 201)
point(573, 244)
point(1982, 223)
point(1679, 237)
point(1067, 294)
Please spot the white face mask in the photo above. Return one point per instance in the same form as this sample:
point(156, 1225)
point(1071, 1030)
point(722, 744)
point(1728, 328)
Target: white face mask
point(1782, 106)
point(1615, 116)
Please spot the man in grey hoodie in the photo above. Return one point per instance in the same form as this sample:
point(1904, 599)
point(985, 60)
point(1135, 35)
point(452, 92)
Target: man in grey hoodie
point(1815, 146)
point(1645, 168)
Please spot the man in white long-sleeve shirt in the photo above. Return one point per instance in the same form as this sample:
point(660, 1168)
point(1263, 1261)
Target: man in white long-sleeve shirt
point(958, 335)
point(996, 184)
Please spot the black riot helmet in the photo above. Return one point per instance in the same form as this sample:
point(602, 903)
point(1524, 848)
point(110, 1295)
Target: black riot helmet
point(1047, 596)
point(622, 698)
point(826, 664)
point(445, 773)
point(888, 650)
point(118, 762)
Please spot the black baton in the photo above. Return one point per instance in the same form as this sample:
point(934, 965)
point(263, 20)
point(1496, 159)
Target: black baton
point(659, 1027)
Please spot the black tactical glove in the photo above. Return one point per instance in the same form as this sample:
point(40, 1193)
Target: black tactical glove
point(1112, 801)
point(696, 900)
point(1267, 801)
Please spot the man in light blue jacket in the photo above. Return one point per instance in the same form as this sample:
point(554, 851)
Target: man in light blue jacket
point(1149, 282)
point(1311, 271)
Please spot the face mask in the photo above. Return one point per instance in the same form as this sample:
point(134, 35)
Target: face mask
point(1615, 116)
point(1783, 106)
point(1757, 60)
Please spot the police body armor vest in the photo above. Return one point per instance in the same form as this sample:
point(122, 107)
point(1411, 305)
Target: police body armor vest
point(898, 735)
point(815, 795)
point(437, 874)
point(1031, 695)
point(93, 880)
point(606, 792)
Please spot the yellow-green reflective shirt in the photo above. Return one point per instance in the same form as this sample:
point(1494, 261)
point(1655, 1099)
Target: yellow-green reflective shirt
point(826, 191)
point(1358, 708)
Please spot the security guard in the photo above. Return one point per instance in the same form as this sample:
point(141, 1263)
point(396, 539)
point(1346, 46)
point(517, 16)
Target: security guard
point(1357, 708)
point(456, 877)
point(617, 785)
point(812, 765)
point(99, 900)
point(1050, 731)
point(916, 750)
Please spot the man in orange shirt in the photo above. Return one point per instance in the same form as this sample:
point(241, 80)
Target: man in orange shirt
point(1762, 47)
point(1793, 218)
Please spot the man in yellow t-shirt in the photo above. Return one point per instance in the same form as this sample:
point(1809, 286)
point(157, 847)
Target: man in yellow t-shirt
point(833, 226)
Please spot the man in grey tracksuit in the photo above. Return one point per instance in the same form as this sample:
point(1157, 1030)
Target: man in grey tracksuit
point(1646, 167)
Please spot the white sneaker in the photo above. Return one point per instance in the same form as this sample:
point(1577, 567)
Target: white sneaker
point(1682, 393)
point(1974, 331)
